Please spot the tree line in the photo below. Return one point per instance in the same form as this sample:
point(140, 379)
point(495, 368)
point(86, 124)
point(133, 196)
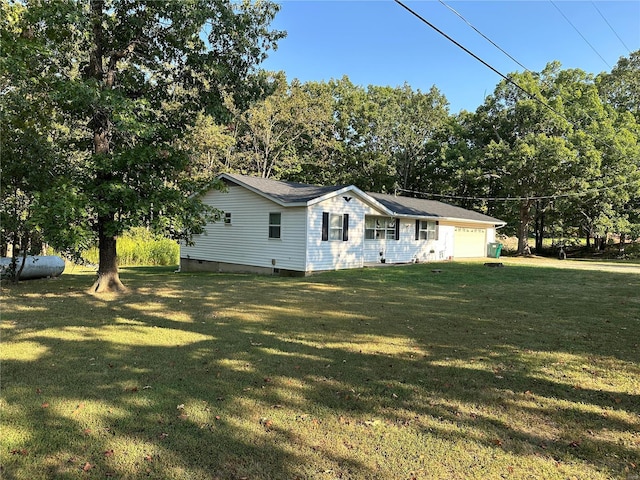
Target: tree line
point(554, 153)
point(117, 114)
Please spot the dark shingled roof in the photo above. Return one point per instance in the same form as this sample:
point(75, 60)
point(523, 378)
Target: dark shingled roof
point(301, 193)
point(429, 208)
point(285, 192)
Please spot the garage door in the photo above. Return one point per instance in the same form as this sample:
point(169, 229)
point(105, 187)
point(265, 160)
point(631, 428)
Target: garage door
point(469, 242)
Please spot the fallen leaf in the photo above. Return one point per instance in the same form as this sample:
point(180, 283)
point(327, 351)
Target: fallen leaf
point(183, 416)
point(497, 442)
point(108, 453)
point(575, 444)
point(163, 435)
point(19, 452)
point(87, 431)
point(45, 405)
point(265, 422)
point(267, 380)
point(148, 458)
point(78, 408)
point(38, 391)
point(180, 407)
point(87, 467)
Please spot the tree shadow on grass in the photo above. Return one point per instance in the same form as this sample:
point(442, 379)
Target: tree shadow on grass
point(211, 376)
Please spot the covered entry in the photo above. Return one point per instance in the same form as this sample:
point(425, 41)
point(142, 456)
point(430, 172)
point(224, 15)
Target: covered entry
point(469, 242)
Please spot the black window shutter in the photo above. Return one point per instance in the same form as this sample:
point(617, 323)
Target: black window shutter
point(417, 229)
point(345, 227)
point(437, 229)
point(325, 226)
point(397, 229)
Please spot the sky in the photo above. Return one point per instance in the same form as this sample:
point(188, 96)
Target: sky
point(381, 43)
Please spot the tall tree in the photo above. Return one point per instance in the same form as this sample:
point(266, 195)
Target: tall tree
point(277, 130)
point(528, 151)
point(144, 71)
point(621, 87)
point(407, 121)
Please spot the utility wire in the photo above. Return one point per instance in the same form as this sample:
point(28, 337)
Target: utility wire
point(612, 29)
point(530, 95)
point(486, 64)
point(545, 82)
point(506, 77)
point(483, 35)
point(519, 199)
point(579, 33)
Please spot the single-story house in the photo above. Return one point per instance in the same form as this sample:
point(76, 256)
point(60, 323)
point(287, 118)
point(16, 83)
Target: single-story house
point(277, 227)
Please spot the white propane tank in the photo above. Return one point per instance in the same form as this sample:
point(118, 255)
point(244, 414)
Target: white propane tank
point(35, 266)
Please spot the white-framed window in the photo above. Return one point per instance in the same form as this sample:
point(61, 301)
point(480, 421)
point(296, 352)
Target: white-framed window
point(377, 228)
point(428, 230)
point(275, 224)
point(227, 218)
point(335, 226)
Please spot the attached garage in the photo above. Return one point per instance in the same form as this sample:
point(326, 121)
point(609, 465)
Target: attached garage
point(469, 242)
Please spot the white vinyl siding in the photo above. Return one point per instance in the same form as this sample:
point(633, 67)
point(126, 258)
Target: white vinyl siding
point(246, 240)
point(333, 255)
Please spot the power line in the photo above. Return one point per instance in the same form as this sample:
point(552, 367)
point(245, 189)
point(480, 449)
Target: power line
point(486, 64)
point(580, 33)
point(483, 35)
point(506, 77)
point(519, 199)
point(530, 95)
point(612, 29)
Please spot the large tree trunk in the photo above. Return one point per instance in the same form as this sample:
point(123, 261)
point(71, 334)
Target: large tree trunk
point(101, 125)
point(108, 277)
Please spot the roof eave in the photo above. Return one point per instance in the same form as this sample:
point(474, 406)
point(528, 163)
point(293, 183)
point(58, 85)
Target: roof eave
point(260, 192)
point(449, 219)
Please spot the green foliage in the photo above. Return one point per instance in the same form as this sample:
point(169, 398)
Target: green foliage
point(114, 86)
point(140, 247)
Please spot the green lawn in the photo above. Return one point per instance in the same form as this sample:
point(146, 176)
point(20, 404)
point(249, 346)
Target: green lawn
point(390, 373)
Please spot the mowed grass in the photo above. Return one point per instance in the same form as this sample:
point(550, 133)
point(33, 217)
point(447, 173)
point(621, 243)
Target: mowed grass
point(389, 373)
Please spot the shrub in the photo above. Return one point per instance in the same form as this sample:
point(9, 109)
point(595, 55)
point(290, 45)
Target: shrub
point(140, 247)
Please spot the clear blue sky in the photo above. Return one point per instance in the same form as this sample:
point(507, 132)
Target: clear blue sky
point(380, 43)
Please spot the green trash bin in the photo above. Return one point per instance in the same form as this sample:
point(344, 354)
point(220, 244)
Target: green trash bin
point(495, 249)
